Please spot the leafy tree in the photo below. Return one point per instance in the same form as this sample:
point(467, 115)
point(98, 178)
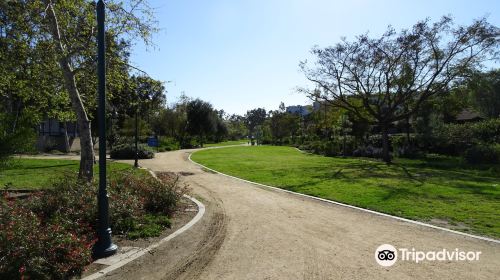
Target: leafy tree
point(65, 33)
point(28, 90)
point(484, 89)
point(149, 93)
point(283, 125)
point(221, 130)
point(201, 119)
point(254, 118)
point(129, 128)
point(236, 127)
point(392, 76)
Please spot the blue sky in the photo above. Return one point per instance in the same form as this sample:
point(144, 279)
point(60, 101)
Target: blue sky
point(244, 54)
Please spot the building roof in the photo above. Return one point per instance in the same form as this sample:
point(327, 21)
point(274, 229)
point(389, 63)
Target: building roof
point(468, 114)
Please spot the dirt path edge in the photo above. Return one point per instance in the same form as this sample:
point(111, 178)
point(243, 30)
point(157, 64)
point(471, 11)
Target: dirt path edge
point(199, 215)
point(347, 205)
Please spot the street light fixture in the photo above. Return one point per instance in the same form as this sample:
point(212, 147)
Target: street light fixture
point(104, 246)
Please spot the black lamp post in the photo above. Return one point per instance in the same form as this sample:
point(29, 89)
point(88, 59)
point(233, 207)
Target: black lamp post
point(136, 161)
point(104, 246)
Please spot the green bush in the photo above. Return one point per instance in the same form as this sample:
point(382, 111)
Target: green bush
point(332, 147)
point(21, 141)
point(50, 234)
point(127, 151)
point(168, 144)
point(368, 151)
point(482, 154)
point(157, 196)
point(454, 139)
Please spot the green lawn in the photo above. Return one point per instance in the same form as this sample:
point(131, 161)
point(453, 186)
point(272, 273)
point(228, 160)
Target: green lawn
point(226, 143)
point(438, 190)
point(39, 173)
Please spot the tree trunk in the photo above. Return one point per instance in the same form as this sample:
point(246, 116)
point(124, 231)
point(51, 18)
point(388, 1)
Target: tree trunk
point(87, 152)
point(385, 143)
point(67, 147)
point(343, 144)
point(408, 141)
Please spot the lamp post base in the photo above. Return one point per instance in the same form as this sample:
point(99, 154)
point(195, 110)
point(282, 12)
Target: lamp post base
point(102, 251)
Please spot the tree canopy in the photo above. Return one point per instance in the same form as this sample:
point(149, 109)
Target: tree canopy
point(390, 77)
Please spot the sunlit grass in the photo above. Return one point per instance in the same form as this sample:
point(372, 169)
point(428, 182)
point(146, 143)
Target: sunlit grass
point(40, 173)
point(440, 190)
point(226, 143)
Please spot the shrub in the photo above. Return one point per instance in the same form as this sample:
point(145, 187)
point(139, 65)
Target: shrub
point(69, 202)
point(157, 196)
point(168, 144)
point(332, 147)
point(454, 139)
point(304, 147)
point(482, 154)
point(375, 140)
point(487, 131)
point(368, 151)
point(30, 247)
point(407, 151)
point(187, 143)
point(50, 234)
point(127, 151)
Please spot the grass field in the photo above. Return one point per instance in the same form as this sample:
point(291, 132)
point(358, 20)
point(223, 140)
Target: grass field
point(226, 143)
point(39, 173)
point(438, 190)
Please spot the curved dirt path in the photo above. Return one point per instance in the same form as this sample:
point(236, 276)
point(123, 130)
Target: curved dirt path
point(258, 233)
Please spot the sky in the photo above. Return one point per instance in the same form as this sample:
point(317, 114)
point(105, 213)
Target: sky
point(244, 54)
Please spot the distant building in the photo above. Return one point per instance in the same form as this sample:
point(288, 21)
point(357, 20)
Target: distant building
point(56, 135)
point(468, 115)
point(299, 110)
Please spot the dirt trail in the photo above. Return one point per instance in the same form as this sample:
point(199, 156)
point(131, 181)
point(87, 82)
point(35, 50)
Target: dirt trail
point(257, 233)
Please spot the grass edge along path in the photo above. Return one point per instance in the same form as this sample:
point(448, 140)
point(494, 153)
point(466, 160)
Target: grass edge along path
point(226, 143)
point(439, 191)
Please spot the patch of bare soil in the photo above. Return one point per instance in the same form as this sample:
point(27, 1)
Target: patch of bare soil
point(192, 266)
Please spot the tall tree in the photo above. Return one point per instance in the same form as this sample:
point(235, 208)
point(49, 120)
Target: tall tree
point(236, 127)
point(29, 80)
point(69, 27)
point(283, 125)
point(254, 118)
point(391, 76)
point(201, 119)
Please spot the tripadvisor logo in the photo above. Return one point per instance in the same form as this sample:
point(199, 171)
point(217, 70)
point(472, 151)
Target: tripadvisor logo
point(387, 255)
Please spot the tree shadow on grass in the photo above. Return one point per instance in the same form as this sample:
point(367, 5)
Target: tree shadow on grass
point(47, 166)
point(484, 190)
point(460, 182)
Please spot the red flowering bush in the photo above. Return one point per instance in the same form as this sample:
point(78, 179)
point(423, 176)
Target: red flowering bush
point(50, 234)
point(29, 247)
